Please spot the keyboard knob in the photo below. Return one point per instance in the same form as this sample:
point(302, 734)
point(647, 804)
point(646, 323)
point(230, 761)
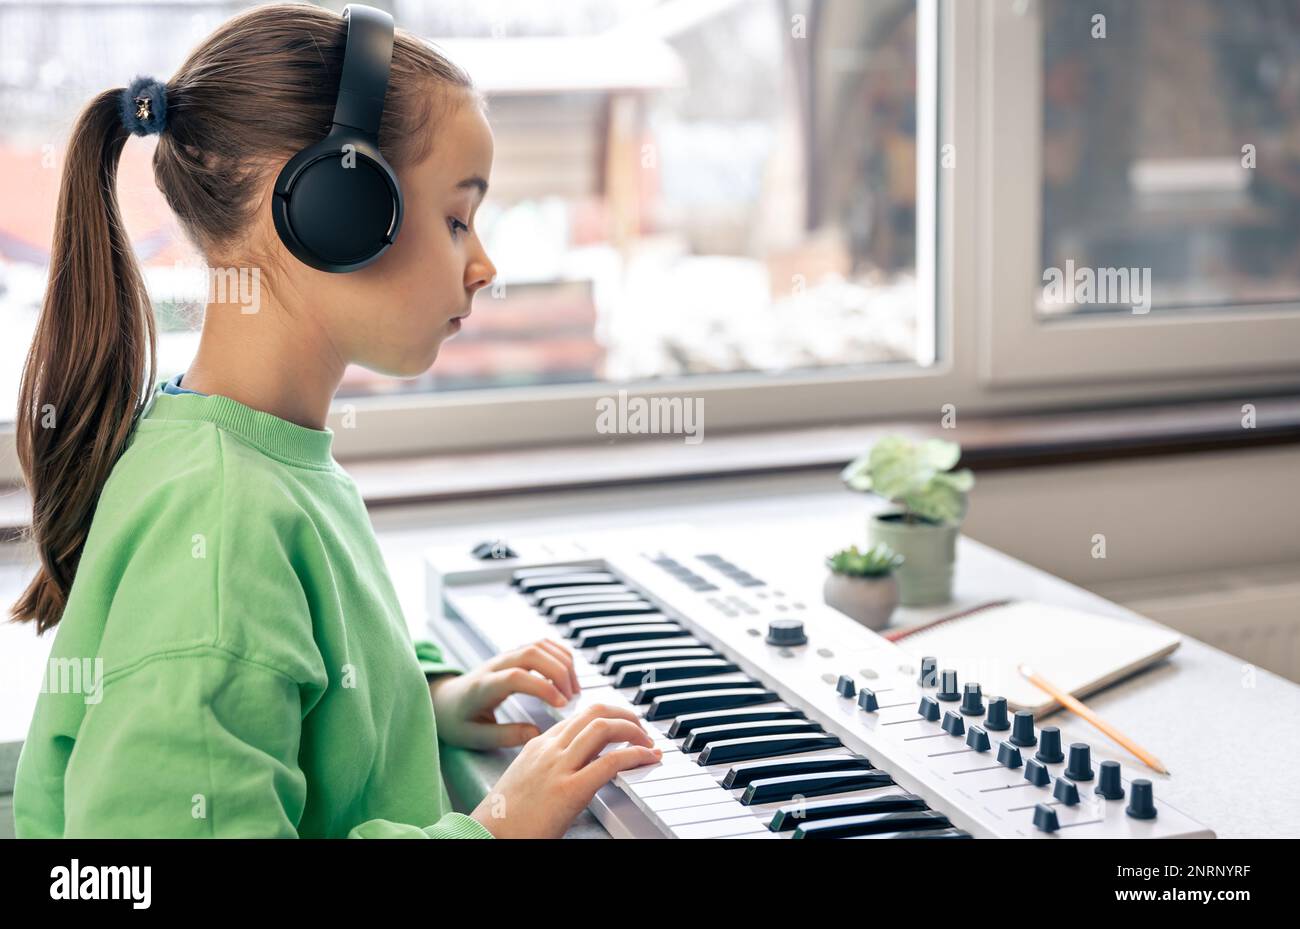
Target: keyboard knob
point(867, 700)
point(996, 721)
point(1079, 767)
point(1045, 818)
point(786, 632)
point(1049, 745)
point(1036, 773)
point(929, 709)
point(1141, 804)
point(845, 686)
point(972, 701)
point(977, 739)
point(929, 672)
point(1066, 792)
point(1008, 755)
point(1109, 786)
point(948, 686)
point(1022, 730)
point(952, 723)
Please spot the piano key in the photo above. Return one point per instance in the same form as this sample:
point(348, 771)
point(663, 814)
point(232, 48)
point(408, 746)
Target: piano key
point(619, 662)
point(548, 605)
point(674, 705)
point(527, 574)
point(815, 784)
point(765, 746)
point(719, 829)
point(742, 775)
point(604, 652)
point(647, 789)
point(633, 675)
point(590, 579)
point(680, 801)
point(786, 818)
point(579, 626)
point(684, 725)
point(631, 633)
point(871, 823)
point(918, 834)
point(567, 614)
point(554, 593)
point(647, 693)
point(704, 735)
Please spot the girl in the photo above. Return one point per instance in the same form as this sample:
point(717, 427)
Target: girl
point(231, 659)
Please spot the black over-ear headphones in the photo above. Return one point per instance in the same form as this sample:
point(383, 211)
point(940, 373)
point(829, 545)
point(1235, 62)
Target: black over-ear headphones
point(337, 204)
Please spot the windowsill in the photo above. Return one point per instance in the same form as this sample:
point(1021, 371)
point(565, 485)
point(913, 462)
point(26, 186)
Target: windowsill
point(988, 443)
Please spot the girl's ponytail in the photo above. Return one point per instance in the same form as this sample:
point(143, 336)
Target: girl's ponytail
point(84, 382)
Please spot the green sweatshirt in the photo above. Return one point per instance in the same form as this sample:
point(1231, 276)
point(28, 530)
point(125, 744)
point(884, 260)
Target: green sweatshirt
point(233, 660)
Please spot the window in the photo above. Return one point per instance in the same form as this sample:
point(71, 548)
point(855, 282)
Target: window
point(679, 189)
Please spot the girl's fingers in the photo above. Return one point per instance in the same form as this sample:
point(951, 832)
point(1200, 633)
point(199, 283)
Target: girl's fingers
point(543, 661)
point(565, 656)
point(567, 731)
point(598, 733)
point(497, 685)
point(602, 770)
point(497, 735)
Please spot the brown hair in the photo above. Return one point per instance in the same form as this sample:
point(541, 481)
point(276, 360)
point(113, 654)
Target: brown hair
point(256, 91)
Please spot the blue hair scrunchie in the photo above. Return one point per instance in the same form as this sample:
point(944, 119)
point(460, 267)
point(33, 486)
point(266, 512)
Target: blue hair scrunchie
point(144, 106)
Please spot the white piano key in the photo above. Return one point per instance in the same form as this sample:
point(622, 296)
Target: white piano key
point(675, 786)
point(719, 829)
point(684, 800)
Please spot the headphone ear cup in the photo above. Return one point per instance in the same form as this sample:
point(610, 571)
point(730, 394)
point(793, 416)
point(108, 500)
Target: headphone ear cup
point(337, 205)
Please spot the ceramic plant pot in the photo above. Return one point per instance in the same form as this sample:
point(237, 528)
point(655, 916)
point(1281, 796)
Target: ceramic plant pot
point(928, 550)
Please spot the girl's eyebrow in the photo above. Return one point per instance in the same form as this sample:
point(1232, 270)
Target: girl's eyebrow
point(474, 182)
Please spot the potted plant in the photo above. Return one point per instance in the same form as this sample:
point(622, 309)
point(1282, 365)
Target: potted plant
point(861, 585)
point(929, 502)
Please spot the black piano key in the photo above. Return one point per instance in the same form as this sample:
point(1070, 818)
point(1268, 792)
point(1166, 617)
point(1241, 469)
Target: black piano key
point(917, 834)
point(765, 746)
point(687, 723)
point(814, 784)
point(567, 614)
point(698, 740)
point(621, 661)
point(579, 626)
point(871, 824)
point(608, 635)
point(528, 574)
point(647, 693)
point(548, 605)
point(580, 590)
point(533, 585)
point(787, 817)
point(605, 652)
point(742, 775)
point(696, 701)
point(632, 675)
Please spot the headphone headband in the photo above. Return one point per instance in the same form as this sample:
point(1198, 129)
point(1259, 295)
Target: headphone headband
point(367, 57)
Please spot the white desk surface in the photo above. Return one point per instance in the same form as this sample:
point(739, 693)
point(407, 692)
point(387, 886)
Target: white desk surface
point(1230, 734)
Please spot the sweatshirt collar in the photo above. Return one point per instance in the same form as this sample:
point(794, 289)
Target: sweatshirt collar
point(277, 437)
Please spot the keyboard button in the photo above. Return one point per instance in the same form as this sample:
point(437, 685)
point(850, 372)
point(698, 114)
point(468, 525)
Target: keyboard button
point(742, 775)
point(566, 614)
point(816, 784)
point(871, 823)
point(631, 633)
point(675, 705)
point(546, 582)
point(788, 817)
point(648, 692)
point(579, 626)
point(627, 659)
point(632, 675)
point(548, 605)
point(687, 723)
point(765, 746)
point(698, 740)
point(606, 652)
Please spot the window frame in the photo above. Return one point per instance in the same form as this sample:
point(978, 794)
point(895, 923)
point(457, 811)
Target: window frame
point(971, 334)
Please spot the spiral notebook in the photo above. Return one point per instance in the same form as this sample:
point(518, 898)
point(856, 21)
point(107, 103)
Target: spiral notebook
point(1078, 652)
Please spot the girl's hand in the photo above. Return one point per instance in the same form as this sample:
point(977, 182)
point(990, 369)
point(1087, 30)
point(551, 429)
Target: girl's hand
point(465, 704)
point(557, 774)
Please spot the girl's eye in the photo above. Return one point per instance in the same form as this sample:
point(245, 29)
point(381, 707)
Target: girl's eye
point(456, 226)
